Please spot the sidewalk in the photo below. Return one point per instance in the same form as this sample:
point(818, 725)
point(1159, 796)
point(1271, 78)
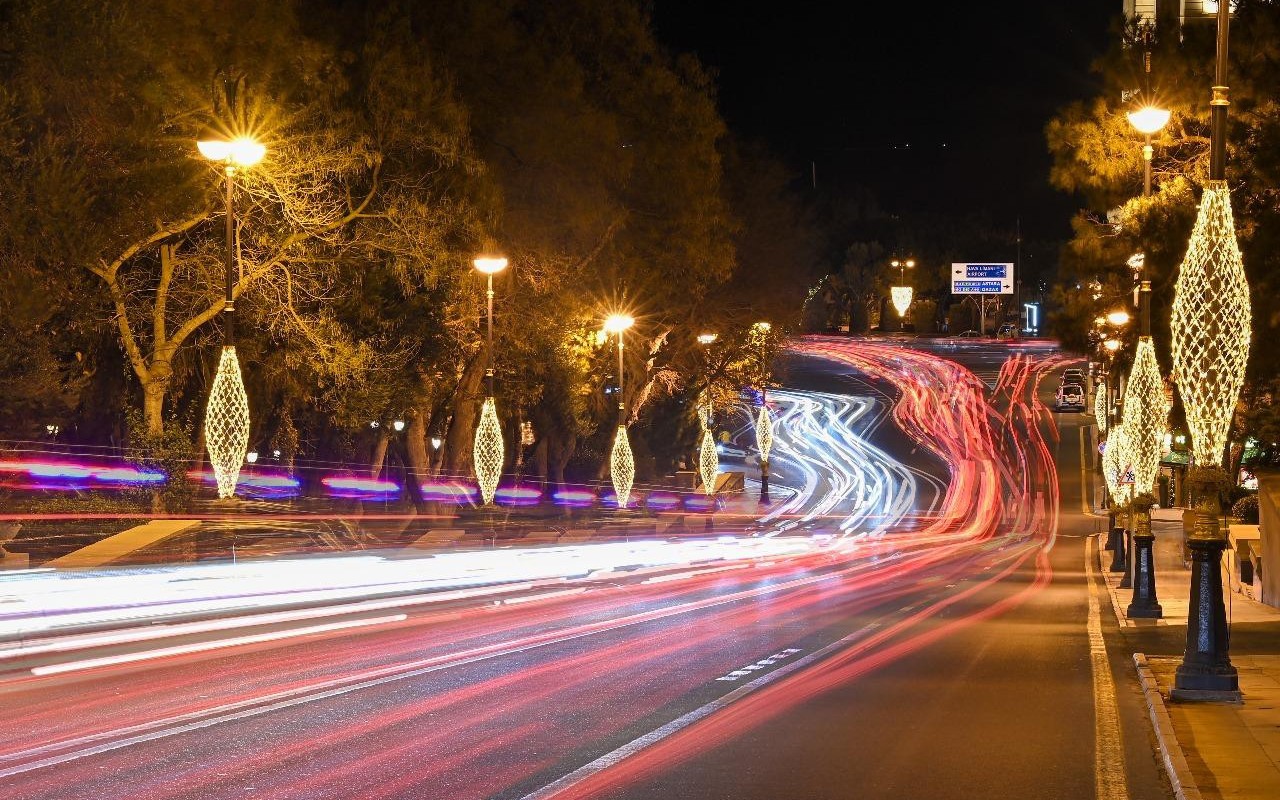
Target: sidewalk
point(1211, 750)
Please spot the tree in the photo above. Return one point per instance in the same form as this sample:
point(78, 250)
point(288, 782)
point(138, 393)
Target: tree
point(1098, 155)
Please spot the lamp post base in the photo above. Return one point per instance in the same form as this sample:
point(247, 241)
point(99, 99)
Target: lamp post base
point(1144, 604)
point(1126, 582)
point(1206, 672)
point(1117, 550)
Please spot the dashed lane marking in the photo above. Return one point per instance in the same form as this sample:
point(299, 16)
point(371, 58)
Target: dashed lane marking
point(743, 672)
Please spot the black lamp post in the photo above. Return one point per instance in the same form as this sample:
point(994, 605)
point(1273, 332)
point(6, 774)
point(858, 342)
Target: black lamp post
point(1206, 671)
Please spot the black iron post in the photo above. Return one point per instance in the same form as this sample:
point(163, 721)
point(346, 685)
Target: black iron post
point(488, 366)
point(622, 405)
point(1144, 603)
point(229, 307)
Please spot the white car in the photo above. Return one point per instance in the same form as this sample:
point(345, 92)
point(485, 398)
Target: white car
point(1071, 397)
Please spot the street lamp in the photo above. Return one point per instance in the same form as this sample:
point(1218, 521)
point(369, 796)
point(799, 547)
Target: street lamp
point(488, 451)
point(1211, 328)
point(622, 464)
point(1145, 415)
point(1105, 411)
point(226, 420)
point(708, 458)
point(1148, 121)
point(764, 422)
point(1118, 318)
point(901, 294)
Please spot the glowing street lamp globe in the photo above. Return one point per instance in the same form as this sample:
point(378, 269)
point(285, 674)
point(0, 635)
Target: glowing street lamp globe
point(617, 323)
point(242, 151)
point(490, 265)
point(1118, 318)
point(1149, 120)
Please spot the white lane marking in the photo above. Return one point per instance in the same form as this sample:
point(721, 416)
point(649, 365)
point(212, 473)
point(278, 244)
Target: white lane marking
point(759, 665)
point(1108, 748)
point(529, 598)
point(202, 647)
point(679, 576)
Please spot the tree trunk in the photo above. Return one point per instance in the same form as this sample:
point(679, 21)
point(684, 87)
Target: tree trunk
point(540, 459)
point(415, 446)
point(379, 454)
point(560, 450)
point(153, 392)
point(466, 412)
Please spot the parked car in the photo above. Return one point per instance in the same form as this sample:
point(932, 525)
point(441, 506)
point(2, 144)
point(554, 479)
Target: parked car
point(1007, 331)
point(1071, 397)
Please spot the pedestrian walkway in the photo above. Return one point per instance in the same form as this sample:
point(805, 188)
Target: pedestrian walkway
point(1212, 750)
point(1173, 582)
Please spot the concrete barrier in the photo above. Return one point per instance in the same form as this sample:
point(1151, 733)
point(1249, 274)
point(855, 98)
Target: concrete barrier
point(124, 544)
point(439, 537)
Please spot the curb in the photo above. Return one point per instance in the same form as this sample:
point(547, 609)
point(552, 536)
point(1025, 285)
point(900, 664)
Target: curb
point(1121, 620)
point(1175, 763)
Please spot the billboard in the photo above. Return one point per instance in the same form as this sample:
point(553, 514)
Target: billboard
point(981, 278)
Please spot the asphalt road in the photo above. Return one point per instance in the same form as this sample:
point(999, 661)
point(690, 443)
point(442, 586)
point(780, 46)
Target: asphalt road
point(1004, 707)
point(946, 658)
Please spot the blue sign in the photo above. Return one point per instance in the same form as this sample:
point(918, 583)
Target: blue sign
point(976, 287)
point(969, 278)
point(985, 270)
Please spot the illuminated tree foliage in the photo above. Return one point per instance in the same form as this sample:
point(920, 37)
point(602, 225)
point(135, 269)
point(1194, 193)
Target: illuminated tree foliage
point(402, 138)
point(1098, 156)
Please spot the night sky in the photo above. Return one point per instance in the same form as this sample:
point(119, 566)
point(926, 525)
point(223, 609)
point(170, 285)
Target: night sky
point(937, 106)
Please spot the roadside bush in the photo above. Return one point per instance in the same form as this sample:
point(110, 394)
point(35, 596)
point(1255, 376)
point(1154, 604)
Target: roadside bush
point(1246, 509)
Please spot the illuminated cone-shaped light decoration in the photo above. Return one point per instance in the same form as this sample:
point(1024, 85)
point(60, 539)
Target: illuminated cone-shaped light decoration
point(1100, 407)
point(901, 296)
point(488, 453)
point(1145, 415)
point(764, 433)
point(1115, 464)
point(226, 423)
point(708, 462)
point(1210, 324)
point(622, 467)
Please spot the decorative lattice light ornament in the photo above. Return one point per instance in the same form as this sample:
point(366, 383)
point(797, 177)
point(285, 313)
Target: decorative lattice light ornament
point(901, 297)
point(708, 462)
point(1146, 413)
point(622, 467)
point(226, 423)
point(764, 432)
point(1115, 464)
point(488, 452)
point(1210, 324)
point(1100, 406)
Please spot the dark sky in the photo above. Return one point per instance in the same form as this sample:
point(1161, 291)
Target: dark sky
point(936, 106)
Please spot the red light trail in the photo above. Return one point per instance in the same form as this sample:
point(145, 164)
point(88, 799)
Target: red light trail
point(591, 684)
